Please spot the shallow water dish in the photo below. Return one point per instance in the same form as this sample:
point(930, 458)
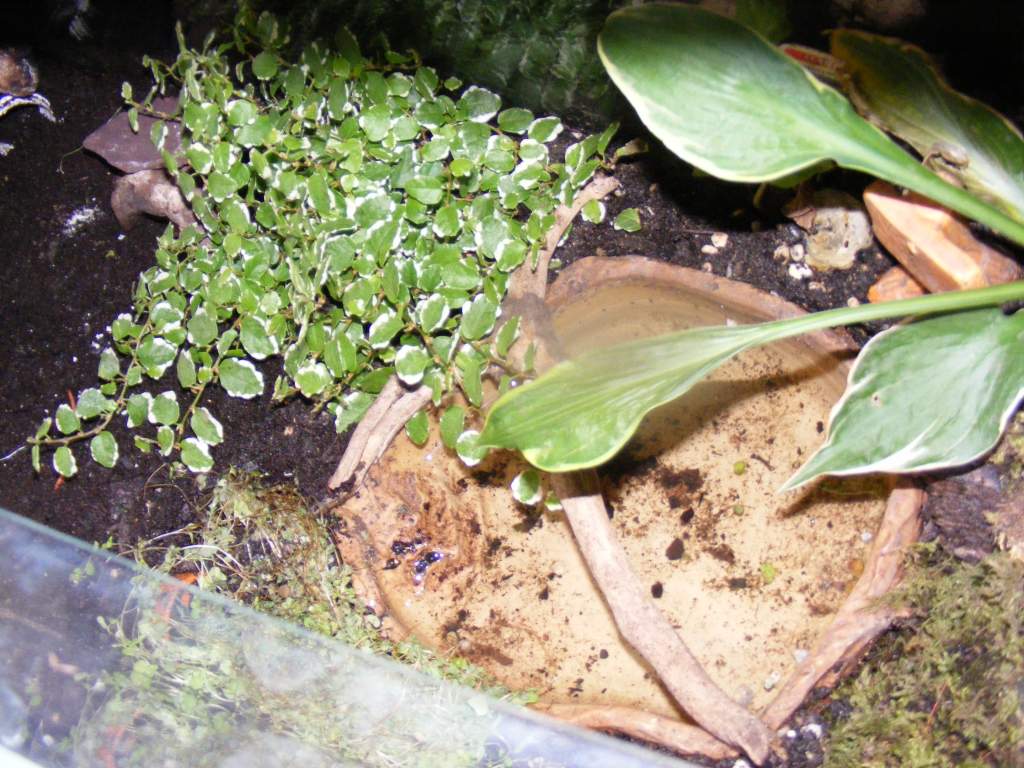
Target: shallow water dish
point(769, 591)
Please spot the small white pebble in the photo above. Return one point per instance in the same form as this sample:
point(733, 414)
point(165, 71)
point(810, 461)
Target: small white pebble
point(772, 680)
point(799, 271)
point(812, 729)
point(866, 536)
point(706, 266)
point(719, 239)
point(710, 250)
point(429, 457)
point(796, 252)
point(790, 734)
point(781, 253)
point(79, 218)
point(800, 654)
point(853, 301)
point(741, 763)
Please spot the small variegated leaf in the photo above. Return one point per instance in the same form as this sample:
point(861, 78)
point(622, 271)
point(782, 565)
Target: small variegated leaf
point(469, 449)
point(507, 336)
point(195, 454)
point(628, 220)
point(240, 378)
point(544, 129)
point(64, 462)
point(164, 409)
point(410, 363)
point(526, 487)
point(110, 366)
point(165, 440)
point(137, 409)
point(384, 328)
point(103, 448)
point(67, 420)
point(453, 422)
point(479, 318)
point(312, 378)
point(418, 428)
point(206, 427)
point(91, 403)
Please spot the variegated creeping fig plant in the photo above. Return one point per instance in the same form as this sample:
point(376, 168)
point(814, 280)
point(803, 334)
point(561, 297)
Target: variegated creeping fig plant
point(934, 393)
point(358, 217)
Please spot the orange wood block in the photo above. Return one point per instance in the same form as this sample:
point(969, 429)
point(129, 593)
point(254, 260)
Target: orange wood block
point(936, 247)
point(894, 284)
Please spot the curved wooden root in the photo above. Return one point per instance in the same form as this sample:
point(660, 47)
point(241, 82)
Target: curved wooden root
point(860, 618)
point(666, 732)
point(391, 410)
point(647, 629)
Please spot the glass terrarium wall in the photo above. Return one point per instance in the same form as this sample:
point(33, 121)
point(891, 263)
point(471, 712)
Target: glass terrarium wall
point(104, 663)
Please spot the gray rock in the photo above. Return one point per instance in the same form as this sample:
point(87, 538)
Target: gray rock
point(131, 152)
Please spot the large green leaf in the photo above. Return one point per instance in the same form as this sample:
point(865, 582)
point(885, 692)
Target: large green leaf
point(581, 412)
point(725, 100)
point(935, 393)
point(895, 84)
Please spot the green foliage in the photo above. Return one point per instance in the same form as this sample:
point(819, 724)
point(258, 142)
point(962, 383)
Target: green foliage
point(536, 53)
point(928, 395)
point(895, 84)
point(948, 690)
point(628, 220)
point(937, 392)
point(357, 218)
point(733, 105)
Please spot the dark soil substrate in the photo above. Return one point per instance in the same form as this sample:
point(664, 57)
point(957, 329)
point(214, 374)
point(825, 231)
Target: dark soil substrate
point(59, 289)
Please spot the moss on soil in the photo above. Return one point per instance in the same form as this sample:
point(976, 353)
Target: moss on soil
point(262, 545)
point(950, 692)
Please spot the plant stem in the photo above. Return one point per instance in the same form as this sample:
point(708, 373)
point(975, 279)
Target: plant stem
point(922, 305)
point(887, 161)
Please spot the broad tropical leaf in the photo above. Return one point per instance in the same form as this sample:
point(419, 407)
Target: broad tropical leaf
point(935, 393)
point(725, 100)
point(894, 84)
point(582, 411)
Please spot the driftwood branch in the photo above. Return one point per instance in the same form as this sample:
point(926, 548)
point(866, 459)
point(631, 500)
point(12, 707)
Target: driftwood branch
point(639, 621)
point(647, 629)
point(861, 617)
point(391, 410)
point(684, 738)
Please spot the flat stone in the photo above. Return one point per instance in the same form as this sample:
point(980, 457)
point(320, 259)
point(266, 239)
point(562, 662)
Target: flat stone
point(150, 192)
point(132, 152)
